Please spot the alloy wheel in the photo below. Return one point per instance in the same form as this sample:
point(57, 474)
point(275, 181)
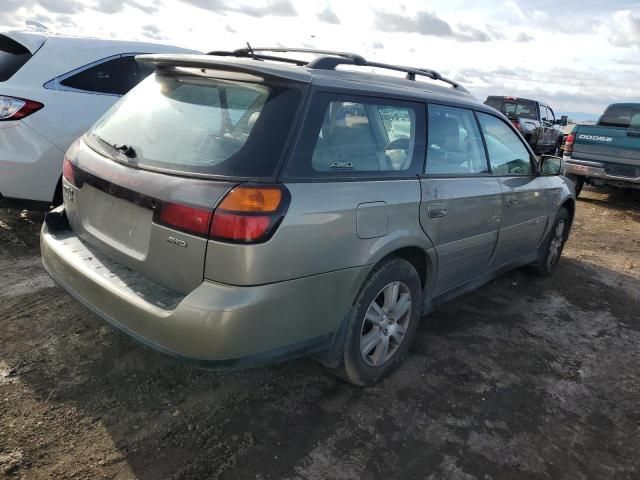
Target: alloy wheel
point(385, 324)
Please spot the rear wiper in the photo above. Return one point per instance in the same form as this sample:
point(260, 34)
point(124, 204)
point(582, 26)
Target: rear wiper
point(127, 150)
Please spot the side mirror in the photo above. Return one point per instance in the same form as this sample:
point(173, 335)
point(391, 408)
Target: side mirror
point(564, 120)
point(550, 165)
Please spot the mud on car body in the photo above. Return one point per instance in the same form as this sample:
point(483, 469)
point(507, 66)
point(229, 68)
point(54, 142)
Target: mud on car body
point(241, 207)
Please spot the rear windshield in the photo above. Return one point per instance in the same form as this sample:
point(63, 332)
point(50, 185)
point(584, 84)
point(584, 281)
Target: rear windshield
point(625, 116)
point(517, 108)
point(202, 125)
point(12, 57)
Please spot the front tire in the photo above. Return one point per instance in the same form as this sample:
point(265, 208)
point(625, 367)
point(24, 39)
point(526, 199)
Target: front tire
point(382, 323)
point(554, 245)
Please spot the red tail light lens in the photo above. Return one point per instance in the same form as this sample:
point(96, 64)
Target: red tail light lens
point(182, 217)
point(249, 214)
point(67, 171)
point(239, 228)
point(568, 143)
point(14, 108)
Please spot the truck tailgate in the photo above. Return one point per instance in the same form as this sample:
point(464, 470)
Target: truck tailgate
point(607, 144)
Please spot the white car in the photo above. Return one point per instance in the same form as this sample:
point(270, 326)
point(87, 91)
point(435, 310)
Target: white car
point(52, 89)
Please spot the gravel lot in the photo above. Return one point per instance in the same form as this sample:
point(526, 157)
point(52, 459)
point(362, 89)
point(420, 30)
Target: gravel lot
point(524, 378)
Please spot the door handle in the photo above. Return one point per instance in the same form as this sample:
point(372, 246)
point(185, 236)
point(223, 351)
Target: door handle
point(437, 210)
point(512, 200)
point(633, 134)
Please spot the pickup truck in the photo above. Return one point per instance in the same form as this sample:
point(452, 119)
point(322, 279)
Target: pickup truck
point(534, 120)
point(607, 153)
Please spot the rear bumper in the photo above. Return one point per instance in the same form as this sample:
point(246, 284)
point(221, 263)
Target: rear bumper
point(592, 169)
point(214, 325)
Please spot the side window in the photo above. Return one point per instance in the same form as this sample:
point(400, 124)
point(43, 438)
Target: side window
point(454, 145)
point(543, 113)
point(116, 76)
point(551, 116)
point(507, 153)
point(359, 136)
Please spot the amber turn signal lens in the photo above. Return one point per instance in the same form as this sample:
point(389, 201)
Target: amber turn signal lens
point(252, 199)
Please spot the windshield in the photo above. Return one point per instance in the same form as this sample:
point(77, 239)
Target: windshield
point(517, 108)
point(624, 116)
point(195, 124)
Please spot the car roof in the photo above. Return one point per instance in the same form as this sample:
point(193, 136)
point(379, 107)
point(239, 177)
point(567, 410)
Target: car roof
point(369, 82)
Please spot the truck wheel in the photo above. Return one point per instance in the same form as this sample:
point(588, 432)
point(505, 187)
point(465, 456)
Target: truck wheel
point(554, 245)
point(382, 323)
point(578, 183)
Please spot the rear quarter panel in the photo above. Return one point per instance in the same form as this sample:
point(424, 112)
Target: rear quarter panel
point(319, 233)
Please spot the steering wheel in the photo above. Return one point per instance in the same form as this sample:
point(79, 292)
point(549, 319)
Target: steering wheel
point(401, 143)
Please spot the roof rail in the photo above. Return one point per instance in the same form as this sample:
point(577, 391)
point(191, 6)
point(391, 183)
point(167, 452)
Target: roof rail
point(329, 60)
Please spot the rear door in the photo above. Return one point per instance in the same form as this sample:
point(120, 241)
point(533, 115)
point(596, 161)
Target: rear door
point(461, 201)
point(526, 197)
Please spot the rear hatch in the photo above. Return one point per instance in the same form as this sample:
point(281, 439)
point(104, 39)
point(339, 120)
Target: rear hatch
point(615, 139)
point(150, 173)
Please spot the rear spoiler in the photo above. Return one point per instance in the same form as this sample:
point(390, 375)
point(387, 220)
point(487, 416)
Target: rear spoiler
point(263, 70)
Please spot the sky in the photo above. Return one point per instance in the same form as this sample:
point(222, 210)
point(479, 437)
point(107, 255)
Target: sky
point(578, 56)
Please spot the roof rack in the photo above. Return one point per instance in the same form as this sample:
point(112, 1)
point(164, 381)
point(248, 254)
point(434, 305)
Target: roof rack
point(329, 60)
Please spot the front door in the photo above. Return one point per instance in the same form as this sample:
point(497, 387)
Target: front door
point(526, 197)
point(461, 201)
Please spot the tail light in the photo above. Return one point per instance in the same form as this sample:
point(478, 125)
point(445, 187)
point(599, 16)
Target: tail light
point(247, 214)
point(516, 123)
point(14, 108)
point(568, 144)
point(67, 171)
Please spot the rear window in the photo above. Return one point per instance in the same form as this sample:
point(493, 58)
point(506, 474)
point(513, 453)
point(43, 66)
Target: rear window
point(624, 116)
point(12, 57)
point(193, 124)
point(517, 108)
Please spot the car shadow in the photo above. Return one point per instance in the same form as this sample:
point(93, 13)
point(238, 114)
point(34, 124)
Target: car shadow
point(627, 201)
point(485, 372)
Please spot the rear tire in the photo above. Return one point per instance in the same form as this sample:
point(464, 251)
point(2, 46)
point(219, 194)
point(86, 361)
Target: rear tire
point(554, 245)
point(557, 151)
point(382, 323)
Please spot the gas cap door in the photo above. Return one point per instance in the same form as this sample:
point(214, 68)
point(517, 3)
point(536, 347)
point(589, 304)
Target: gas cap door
point(372, 220)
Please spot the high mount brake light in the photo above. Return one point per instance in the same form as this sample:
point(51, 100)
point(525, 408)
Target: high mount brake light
point(247, 214)
point(14, 108)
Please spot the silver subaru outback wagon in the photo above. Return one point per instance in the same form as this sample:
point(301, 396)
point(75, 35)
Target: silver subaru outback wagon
point(244, 207)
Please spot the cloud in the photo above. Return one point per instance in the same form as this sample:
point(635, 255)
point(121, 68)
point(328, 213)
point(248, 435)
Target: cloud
point(426, 23)
point(467, 33)
point(328, 16)
point(115, 6)
point(153, 32)
point(524, 37)
point(68, 7)
point(277, 8)
point(377, 45)
point(229, 29)
point(564, 89)
point(626, 31)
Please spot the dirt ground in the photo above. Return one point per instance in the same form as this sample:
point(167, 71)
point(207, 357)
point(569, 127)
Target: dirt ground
point(524, 378)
